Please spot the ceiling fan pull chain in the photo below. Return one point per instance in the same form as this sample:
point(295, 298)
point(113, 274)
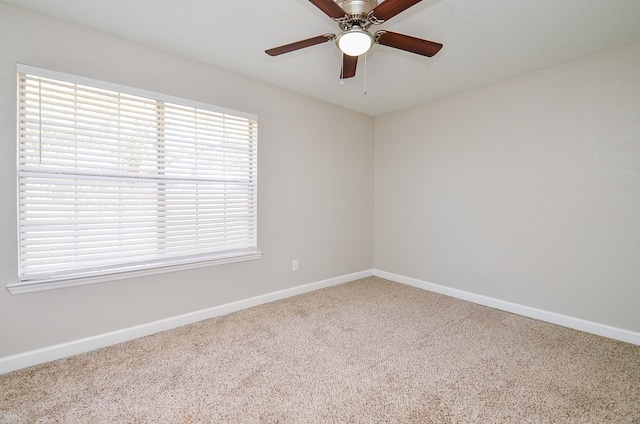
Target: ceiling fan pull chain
point(365, 74)
point(341, 70)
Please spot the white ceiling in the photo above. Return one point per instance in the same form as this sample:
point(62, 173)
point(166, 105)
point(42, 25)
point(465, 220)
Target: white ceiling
point(484, 41)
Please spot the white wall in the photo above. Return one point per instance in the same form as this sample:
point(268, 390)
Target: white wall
point(315, 188)
point(526, 190)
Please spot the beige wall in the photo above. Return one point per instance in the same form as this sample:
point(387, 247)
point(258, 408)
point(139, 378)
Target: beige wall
point(315, 188)
point(526, 190)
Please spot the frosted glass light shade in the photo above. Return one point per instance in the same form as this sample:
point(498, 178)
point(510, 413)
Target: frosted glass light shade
point(354, 41)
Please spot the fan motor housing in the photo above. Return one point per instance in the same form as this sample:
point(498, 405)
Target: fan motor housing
point(357, 7)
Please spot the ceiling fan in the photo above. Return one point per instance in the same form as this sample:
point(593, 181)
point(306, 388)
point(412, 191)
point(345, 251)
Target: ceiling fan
point(354, 17)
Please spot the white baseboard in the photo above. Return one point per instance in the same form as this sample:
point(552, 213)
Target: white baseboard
point(64, 350)
point(539, 314)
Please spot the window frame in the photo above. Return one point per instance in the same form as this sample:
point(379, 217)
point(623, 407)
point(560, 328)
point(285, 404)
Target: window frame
point(171, 264)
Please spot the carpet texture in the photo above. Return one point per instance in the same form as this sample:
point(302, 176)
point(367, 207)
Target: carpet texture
point(369, 351)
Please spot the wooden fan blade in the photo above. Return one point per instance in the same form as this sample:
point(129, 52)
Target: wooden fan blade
point(408, 43)
point(349, 64)
point(329, 7)
point(299, 44)
point(390, 8)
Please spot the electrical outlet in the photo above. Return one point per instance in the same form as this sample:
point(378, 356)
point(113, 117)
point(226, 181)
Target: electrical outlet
point(294, 265)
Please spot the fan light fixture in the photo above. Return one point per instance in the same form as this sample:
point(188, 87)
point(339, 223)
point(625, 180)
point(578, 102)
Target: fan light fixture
point(354, 41)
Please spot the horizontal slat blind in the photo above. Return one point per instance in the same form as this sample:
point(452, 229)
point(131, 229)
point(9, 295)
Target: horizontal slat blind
point(111, 181)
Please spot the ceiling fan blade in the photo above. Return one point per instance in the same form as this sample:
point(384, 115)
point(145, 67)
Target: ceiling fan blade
point(390, 8)
point(299, 44)
point(329, 7)
point(407, 43)
point(349, 64)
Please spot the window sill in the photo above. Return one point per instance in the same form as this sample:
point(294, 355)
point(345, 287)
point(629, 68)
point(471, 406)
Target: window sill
point(36, 286)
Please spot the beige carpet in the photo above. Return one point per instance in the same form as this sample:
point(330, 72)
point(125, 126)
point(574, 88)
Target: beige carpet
point(370, 351)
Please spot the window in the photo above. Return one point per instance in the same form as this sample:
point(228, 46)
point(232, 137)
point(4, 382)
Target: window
point(115, 181)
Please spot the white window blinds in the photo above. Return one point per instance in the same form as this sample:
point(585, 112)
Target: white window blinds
point(111, 181)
